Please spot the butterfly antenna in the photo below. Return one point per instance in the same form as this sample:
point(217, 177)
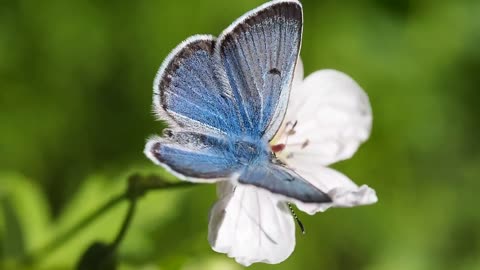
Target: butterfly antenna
point(296, 218)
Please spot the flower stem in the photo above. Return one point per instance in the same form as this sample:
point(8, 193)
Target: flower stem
point(125, 224)
point(138, 186)
point(69, 234)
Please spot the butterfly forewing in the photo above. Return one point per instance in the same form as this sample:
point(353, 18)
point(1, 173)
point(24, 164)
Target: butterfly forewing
point(258, 53)
point(187, 90)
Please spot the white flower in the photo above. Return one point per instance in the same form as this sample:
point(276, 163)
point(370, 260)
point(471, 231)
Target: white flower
point(328, 117)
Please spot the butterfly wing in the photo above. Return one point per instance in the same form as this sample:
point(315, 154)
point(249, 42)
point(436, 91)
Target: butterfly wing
point(193, 156)
point(258, 54)
point(188, 92)
point(188, 95)
point(281, 180)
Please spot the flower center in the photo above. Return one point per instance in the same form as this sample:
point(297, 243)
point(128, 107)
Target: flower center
point(283, 134)
point(280, 143)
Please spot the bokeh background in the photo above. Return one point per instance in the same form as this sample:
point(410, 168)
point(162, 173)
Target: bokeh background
point(75, 110)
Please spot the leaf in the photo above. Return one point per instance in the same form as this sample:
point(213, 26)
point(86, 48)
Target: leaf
point(98, 256)
point(153, 210)
point(13, 239)
point(95, 191)
point(23, 210)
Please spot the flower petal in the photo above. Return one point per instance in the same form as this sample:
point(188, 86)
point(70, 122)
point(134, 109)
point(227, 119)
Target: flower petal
point(340, 188)
point(333, 117)
point(298, 74)
point(251, 225)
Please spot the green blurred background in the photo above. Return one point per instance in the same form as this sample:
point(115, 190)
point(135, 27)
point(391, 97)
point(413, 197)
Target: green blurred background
point(75, 110)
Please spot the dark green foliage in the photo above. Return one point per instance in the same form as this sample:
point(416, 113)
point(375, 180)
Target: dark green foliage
point(98, 256)
point(13, 242)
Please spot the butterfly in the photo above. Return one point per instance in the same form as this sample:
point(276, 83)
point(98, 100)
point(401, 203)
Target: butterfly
point(225, 98)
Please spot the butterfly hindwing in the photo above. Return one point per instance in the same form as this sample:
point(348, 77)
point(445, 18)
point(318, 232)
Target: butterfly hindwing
point(193, 155)
point(258, 54)
point(280, 180)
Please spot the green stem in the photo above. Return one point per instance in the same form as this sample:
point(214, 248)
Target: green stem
point(126, 223)
point(82, 224)
point(137, 187)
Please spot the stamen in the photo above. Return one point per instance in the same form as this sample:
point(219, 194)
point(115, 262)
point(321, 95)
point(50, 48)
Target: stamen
point(294, 124)
point(296, 218)
point(278, 147)
point(305, 144)
point(292, 131)
point(285, 133)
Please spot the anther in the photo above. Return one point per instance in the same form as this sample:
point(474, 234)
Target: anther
point(305, 143)
point(278, 147)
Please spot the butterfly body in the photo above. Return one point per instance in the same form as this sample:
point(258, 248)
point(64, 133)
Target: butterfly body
point(250, 151)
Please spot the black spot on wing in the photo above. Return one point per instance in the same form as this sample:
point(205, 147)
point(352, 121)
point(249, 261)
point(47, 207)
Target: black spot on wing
point(275, 71)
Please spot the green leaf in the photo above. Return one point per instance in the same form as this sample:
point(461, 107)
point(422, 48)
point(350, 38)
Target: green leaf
point(154, 209)
point(24, 215)
point(98, 256)
point(13, 239)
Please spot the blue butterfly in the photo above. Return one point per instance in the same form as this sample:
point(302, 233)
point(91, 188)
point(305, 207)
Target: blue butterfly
point(225, 98)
